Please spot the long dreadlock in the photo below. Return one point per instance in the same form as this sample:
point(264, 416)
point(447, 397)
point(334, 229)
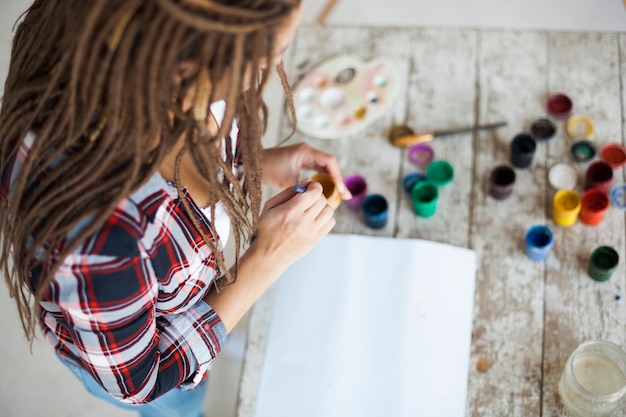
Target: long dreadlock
point(90, 79)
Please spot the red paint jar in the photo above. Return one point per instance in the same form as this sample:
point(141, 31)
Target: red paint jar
point(614, 154)
point(559, 105)
point(599, 175)
point(595, 204)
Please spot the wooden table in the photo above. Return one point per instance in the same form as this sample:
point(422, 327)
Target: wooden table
point(529, 316)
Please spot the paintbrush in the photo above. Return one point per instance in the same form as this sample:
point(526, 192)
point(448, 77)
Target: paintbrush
point(403, 136)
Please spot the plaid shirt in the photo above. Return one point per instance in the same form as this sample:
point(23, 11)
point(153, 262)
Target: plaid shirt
point(127, 304)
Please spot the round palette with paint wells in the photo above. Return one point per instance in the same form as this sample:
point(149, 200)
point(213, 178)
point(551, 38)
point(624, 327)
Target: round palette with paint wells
point(344, 95)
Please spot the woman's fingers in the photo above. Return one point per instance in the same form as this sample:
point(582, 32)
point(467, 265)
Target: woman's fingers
point(311, 193)
point(327, 163)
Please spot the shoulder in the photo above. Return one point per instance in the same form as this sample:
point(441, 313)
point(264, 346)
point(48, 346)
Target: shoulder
point(126, 230)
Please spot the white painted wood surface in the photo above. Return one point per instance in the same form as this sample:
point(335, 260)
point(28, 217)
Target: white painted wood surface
point(528, 316)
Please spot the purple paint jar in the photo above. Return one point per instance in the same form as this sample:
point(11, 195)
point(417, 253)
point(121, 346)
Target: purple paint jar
point(501, 181)
point(357, 186)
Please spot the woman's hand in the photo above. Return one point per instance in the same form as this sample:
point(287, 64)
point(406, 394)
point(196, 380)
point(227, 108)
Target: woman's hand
point(293, 223)
point(282, 166)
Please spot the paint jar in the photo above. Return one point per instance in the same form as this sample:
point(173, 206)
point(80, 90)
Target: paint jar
point(539, 241)
point(543, 129)
point(594, 206)
point(421, 155)
point(566, 206)
point(357, 185)
point(614, 154)
point(440, 173)
point(580, 127)
point(375, 211)
point(410, 180)
point(559, 105)
point(333, 198)
point(501, 181)
point(424, 196)
point(603, 262)
point(582, 151)
point(593, 382)
point(618, 195)
point(599, 175)
point(562, 177)
point(522, 150)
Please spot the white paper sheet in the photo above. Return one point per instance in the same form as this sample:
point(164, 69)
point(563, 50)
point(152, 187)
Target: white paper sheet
point(368, 326)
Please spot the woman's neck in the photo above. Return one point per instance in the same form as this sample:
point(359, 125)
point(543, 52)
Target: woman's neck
point(197, 186)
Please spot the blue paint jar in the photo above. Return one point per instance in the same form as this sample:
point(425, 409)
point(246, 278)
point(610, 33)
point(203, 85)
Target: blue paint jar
point(523, 148)
point(375, 211)
point(539, 241)
point(410, 180)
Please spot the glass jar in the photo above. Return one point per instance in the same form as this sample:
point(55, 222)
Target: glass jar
point(593, 382)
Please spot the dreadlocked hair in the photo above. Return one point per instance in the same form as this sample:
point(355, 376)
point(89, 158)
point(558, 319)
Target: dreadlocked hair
point(90, 79)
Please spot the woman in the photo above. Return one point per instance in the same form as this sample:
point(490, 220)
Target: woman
point(130, 138)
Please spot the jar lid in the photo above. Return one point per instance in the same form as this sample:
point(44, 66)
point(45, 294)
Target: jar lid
point(580, 127)
point(440, 173)
point(543, 129)
point(562, 177)
point(559, 105)
point(583, 151)
point(410, 180)
point(618, 195)
point(614, 154)
point(421, 154)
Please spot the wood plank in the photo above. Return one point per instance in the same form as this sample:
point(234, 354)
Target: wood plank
point(441, 95)
point(622, 67)
point(528, 316)
point(586, 67)
point(367, 152)
point(358, 154)
point(508, 314)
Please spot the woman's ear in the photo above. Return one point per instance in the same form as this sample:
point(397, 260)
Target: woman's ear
point(184, 71)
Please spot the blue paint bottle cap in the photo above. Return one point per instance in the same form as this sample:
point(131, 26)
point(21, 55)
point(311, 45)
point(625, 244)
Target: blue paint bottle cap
point(410, 179)
point(618, 195)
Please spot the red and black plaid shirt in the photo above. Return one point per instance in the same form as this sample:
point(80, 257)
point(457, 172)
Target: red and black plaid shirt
point(127, 304)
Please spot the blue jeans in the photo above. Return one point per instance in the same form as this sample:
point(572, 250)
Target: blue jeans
point(176, 403)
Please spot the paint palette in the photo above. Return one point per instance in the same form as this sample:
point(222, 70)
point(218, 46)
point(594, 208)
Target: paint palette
point(344, 95)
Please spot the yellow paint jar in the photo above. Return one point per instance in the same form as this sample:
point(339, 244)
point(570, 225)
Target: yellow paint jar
point(565, 207)
point(333, 198)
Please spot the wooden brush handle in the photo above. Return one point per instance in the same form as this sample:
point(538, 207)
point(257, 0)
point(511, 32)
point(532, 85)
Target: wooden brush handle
point(409, 140)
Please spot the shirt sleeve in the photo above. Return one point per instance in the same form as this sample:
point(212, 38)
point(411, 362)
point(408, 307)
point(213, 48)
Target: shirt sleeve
point(135, 351)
